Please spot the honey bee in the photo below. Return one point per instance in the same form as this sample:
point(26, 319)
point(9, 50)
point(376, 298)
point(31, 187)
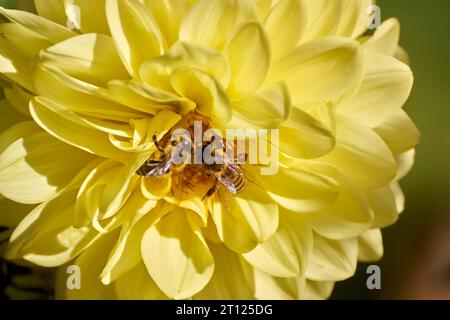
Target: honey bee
point(229, 174)
point(163, 165)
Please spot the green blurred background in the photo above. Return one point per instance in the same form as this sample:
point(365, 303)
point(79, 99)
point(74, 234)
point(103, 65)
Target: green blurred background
point(416, 264)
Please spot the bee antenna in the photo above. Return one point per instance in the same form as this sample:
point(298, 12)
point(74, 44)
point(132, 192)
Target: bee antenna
point(155, 141)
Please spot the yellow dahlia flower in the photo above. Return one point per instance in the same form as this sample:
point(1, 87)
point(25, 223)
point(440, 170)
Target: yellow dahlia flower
point(88, 84)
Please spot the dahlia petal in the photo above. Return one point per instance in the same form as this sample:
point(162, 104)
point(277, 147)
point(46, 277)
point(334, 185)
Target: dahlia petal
point(137, 284)
point(9, 116)
point(399, 132)
point(323, 18)
point(50, 30)
point(318, 290)
point(156, 188)
point(301, 190)
point(228, 266)
point(18, 98)
point(320, 70)
point(286, 253)
point(308, 133)
point(12, 213)
point(386, 86)
point(18, 46)
point(260, 212)
point(285, 15)
point(91, 58)
point(90, 191)
point(332, 260)
point(92, 16)
point(66, 127)
point(35, 167)
point(385, 39)
point(148, 99)
point(135, 32)
point(348, 216)
point(267, 108)
point(210, 22)
point(384, 206)
point(177, 257)
point(90, 263)
point(169, 14)
point(370, 246)
point(52, 10)
point(354, 18)
point(232, 229)
point(46, 236)
point(126, 253)
point(205, 91)
point(81, 97)
point(362, 155)
point(119, 189)
point(268, 287)
point(11, 134)
point(248, 53)
point(405, 162)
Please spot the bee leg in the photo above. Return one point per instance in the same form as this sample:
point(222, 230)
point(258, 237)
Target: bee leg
point(211, 191)
point(155, 141)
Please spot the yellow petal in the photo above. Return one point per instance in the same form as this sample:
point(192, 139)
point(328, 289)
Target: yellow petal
point(148, 99)
point(318, 290)
point(34, 168)
point(287, 252)
point(354, 18)
point(91, 58)
point(65, 126)
point(320, 70)
point(309, 132)
point(12, 213)
point(370, 246)
point(46, 236)
point(92, 15)
point(210, 22)
point(267, 108)
point(169, 14)
point(52, 10)
point(332, 260)
point(9, 116)
point(248, 54)
point(177, 257)
point(386, 86)
point(323, 18)
point(90, 263)
point(50, 30)
point(205, 91)
point(399, 132)
point(385, 39)
point(362, 154)
point(228, 266)
point(384, 206)
point(349, 215)
point(135, 32)
point(19, 98)
point(18, 49)
point(286, 15)
point(301, 190)
point(137, 284)
point(272, 288)
point(81, 97)
point(126, 253)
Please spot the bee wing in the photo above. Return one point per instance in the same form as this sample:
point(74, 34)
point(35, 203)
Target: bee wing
point(236, 171)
